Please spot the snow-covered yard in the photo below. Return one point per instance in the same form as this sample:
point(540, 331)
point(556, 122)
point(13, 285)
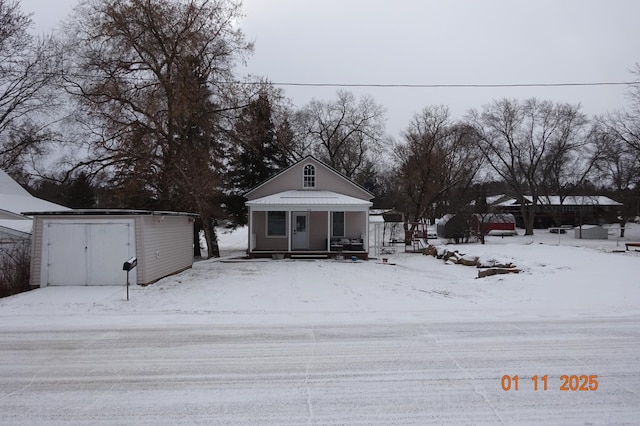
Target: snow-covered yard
point(413, 341)
point(562, 277)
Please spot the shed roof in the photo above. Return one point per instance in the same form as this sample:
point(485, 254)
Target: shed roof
point(108, 212)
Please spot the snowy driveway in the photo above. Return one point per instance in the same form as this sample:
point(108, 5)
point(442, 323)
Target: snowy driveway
point(411, 373)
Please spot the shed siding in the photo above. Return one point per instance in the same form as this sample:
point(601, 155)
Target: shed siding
point(163, 244)
point(141, 272)
point(168, 246)
point(36, 253)
point(326, 180)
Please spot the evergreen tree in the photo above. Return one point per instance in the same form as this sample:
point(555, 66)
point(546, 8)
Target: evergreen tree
point(257, 154)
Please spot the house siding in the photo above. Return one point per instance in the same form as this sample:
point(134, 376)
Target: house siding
point(318, 230)
point(326, 180)
point(355, 224)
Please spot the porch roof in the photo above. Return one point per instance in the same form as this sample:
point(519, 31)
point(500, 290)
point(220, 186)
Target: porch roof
point(311, 200)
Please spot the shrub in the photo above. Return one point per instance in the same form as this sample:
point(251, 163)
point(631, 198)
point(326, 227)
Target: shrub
point(15, 259)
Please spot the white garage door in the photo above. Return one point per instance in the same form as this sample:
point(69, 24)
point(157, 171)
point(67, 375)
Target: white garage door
point(88, 253)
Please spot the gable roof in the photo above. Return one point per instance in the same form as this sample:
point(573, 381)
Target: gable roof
point(319, 163)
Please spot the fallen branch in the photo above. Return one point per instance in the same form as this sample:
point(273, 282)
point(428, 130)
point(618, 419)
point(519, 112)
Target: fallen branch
point(496, 271)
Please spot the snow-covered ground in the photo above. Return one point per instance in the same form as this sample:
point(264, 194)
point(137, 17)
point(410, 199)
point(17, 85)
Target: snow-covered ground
point(562, 277)
point(412, 341)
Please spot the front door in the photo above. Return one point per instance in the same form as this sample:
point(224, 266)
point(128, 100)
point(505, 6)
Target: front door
point(300, 231)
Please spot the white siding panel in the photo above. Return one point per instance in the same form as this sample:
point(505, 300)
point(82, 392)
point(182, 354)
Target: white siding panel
point(36, 254)
point(168, 246)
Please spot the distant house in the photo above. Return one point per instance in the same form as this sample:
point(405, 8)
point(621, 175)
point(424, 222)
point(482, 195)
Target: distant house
point(14, 199)
point(571, 210)
point(308, 209)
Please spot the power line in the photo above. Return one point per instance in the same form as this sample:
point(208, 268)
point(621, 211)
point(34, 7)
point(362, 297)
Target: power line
point(450, 85)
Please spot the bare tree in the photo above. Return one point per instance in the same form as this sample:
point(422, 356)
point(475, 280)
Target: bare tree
point(436, 158)
point(624, 125)
point(345, 133)
point(527, 143)
point(28, 66)
point(569, 161)
point(150, 80)
point(618, 165)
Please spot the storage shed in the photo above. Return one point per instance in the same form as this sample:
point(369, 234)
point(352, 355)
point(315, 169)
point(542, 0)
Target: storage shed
point(89, 247)
point(591, 232)
point(493, 223)
point(455, 227)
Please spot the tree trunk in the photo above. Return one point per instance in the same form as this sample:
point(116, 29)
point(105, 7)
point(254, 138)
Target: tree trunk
point(528, 218)
point(210, 235)
point(197, 252)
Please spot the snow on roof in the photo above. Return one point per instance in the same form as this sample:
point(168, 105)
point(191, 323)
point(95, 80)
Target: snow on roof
point(578, 200)
point(311, 200)
point(555, 200)
point(15, 199)
point(496, 217)
point(11, 187)
point(21, 203)
point(20, 225)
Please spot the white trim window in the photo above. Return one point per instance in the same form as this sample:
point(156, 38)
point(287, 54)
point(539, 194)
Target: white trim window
point(309, 176)
point(337, 224)
point(276, 224)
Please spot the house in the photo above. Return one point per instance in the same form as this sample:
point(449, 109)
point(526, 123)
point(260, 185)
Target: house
point(14, 199)
point(89, 247)
point(308, 209)
point(570, 210)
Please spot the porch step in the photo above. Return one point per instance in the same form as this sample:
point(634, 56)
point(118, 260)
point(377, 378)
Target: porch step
point(309, 256)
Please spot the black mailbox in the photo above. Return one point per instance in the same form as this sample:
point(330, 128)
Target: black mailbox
point(130, 264)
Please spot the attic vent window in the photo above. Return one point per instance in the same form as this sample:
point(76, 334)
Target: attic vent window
point(309, 177)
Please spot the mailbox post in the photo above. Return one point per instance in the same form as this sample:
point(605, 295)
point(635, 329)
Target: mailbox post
point(128, 266)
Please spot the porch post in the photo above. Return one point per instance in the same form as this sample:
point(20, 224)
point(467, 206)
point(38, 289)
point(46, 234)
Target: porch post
point(289, 230)
point(328, 230)
point(250, 230)
point(365, 243)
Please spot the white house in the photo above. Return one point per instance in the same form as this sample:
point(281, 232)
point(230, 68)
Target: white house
point(14, 200)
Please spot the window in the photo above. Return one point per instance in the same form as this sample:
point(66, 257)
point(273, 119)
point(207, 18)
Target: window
point(309, 177)
point(337, 230)
point(276, 224)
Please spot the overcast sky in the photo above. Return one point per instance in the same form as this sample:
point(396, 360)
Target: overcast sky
point(422, 42)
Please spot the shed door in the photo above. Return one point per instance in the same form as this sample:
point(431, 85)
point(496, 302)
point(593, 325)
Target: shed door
point(67, 251)
point(88, 253)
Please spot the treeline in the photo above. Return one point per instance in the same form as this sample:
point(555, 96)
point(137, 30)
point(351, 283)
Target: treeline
point(137, 104)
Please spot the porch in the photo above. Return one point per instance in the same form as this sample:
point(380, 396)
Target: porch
point(310, 224)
